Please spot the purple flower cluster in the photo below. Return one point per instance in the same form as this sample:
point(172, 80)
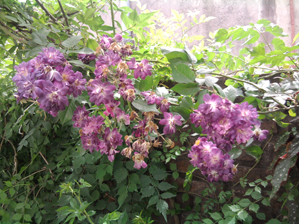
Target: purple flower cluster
point(49, 79)
point(92, 130)
point(225, 124)
point(111, 66)
point(211, 160)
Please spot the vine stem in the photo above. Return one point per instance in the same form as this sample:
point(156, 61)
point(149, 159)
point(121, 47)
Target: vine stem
point(65, 17)
point(255, 163)
point(112, 16)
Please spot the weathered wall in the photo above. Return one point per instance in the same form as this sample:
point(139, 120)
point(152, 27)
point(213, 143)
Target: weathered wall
point(231, 12)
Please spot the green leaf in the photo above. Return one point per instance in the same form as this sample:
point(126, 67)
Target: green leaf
point(242, 215)
point(145, 85)
point(134, 178)
point(85, 50)
point(256, 195)
point(266, 202)
point(261, 216)
point(153, 200)
point(231, 93)
point(175, 53)
point(92, 44)
point(185, 197)
point(159, 174)
point(235, 153)
point(254, 151)
point(123, 194)
point(221, 35)
point(173, 167)
point(184, 112)
point(273, 221)
point(186, 89)
point(175, 175)
point(144, 107)
point(234, 208)
point(162, 206)
point(72, 41)
point(164, 186)
point(200, 96)
point(134, 16)
point(147, 191)
point(216, 216)
point(294, 147)
point(207, 221)
point(167, 195)
point(182, 73)
point(254, 207)
point(281, 173)
point(210, 81)
point(120, 174)
point(17, 216)
point(67, 114)
point(40, 37)
point(244, 202)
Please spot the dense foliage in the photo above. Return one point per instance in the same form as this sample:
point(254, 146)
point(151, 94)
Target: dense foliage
point(94, 116)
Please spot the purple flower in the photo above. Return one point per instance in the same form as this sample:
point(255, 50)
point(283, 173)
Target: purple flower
point(93, 125)
point(132, 64)
point(105, 42)
point(152, 98)
point(52, 57)
point(80, 117)
point(139, 161)
point(126, 50)
point(170, 121)
point(100, 92)
point(110, 58)
point(112, 108)
point(90, 142)
point(259, 134)
point(164, 105)
point(113, 137)
point(101, 71)
point(78, 85)
point(118, 37)
point(86, 58)
point(23, 69)
point(54, 98)
point(123, 118)
point(143, 69)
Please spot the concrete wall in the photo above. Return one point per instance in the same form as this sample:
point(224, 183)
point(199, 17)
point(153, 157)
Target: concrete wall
point(231, 12)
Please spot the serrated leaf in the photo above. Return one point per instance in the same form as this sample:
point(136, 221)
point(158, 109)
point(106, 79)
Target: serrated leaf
point(67, 114)
point(186, 89)
point(244, 202)
point(266, 202)
point(256, 195)
point(153, 200)
point(254, 207)
point(216, 216)
point(159, 174)
point(144, 107)
point(281, 173)
point(234, 208)
point(147, 191)
point(231, 93)
point(242, 215)
point(120, 174)
point(164, 186)
point(40, 36)
point(167, 195)
point(123, 194)
point(261, 216)
point(72, 41)
point(162, 206)
point(273, 221)
point(182, 73)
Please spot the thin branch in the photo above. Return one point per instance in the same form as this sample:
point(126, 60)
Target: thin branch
point(64, 15)
point(46, 11)
point(14, 31)
point(112, 16)
point(280, 109)
point(43, 169)
point(15, 157)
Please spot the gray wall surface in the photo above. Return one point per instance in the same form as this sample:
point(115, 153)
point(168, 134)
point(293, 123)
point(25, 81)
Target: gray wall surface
point(229, 13)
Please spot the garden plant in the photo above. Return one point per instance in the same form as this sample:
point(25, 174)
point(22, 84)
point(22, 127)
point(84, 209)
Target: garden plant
point(95, 115)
